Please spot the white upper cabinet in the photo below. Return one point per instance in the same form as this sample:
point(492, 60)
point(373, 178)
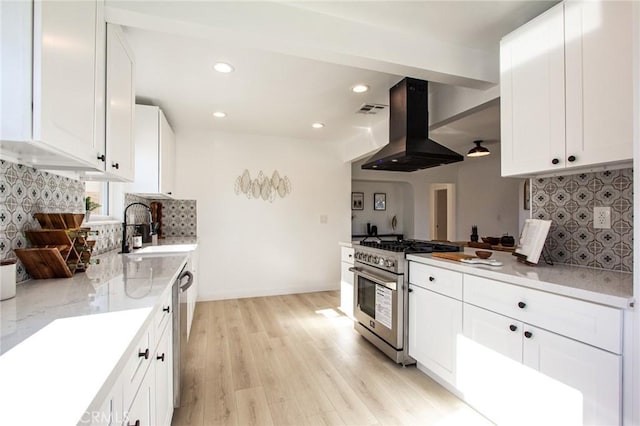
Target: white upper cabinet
point(155, 153)
point(532, 95)
point(120, 106)
point(50, 53)
point(566, 90)
point(599, 80)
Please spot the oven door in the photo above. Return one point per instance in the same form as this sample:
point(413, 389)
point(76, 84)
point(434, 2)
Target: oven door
point(378, 303)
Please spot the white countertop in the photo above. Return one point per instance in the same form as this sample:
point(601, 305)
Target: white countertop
point(63, 338)
point(593, 285)
point(53, 377)
point(116, 284)
point(345, 244)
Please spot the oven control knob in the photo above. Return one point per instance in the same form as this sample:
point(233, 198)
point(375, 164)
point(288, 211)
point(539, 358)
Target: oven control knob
point(390, 263)
point(369, 258)
point(375, 259)
point(381, 261)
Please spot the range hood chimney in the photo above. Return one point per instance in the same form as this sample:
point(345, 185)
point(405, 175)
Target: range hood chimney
point(409, 147)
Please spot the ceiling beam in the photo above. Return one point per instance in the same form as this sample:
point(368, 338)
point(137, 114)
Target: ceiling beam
point(294, 31)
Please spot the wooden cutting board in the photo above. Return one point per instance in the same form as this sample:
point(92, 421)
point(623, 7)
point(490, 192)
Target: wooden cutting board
point(453, 256)
point(43, 263)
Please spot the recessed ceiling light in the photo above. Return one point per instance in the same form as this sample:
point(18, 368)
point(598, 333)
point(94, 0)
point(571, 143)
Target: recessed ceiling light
point(360, 88)
point(222, 67)
point(219, 114)
point(317, 125)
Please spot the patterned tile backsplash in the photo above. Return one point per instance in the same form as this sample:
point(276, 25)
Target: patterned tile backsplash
point(569, 201)
point(24, 191)
point(179, 217)
point(109, 236)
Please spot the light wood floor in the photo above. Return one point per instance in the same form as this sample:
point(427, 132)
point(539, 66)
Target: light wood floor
point(296, 360)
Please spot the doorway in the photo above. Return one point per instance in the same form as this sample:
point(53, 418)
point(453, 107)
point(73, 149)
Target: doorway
point(442, 217)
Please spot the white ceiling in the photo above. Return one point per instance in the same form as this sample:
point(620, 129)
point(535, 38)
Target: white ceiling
point(267, 94)
point(279, 86)
point(475, 23)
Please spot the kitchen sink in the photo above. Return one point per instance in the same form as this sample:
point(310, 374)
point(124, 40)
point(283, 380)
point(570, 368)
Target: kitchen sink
point(167, 249)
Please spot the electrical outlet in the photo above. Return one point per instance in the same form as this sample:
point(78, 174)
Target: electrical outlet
point(324, 219)
point(602, 217)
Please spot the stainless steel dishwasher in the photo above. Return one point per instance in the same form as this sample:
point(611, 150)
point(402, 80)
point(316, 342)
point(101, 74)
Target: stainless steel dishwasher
point(179, 302)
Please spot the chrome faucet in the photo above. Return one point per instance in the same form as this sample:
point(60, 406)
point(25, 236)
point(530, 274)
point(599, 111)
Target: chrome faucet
point(125, 243)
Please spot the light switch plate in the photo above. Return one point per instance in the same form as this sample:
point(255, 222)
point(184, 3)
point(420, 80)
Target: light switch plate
point(602, 217)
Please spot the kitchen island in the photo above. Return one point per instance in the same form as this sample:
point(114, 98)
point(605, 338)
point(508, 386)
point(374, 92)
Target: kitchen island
point(66, 341)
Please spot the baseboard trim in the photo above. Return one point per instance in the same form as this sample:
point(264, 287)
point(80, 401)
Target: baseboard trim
point(241, 294)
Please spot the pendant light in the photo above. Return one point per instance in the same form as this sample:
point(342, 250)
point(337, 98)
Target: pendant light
point(478, 150)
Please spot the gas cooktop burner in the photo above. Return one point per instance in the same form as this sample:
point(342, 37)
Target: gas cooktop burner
point(411, 246)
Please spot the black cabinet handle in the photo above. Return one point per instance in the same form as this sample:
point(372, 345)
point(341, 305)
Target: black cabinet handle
point(513, 327)
point(571, 158)
point(169, 193)
point(521, 305)
point(528, 334)
point(432, 279)
point(137, 423)
point(116, 165)
point(144, 354)
point(102, 158)
point(166, 309)
point(555, 161)
point(410, 290)
point(160, 357)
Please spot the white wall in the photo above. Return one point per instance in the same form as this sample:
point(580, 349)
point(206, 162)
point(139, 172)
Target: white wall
point(418, 195)
point(486, 199)
point(252, 247)
point(396, 203)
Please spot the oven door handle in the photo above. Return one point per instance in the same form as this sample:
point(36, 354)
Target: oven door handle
point(393, 285)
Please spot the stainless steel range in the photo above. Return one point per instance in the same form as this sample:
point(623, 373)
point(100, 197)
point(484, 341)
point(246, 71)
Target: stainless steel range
point(381, 292)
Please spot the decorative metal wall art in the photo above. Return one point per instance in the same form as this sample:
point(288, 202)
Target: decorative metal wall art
point(262, 186)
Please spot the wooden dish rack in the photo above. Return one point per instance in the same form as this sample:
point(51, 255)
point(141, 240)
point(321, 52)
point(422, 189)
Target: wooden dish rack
point(60, 248)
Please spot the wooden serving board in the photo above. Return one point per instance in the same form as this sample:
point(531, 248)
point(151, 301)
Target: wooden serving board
point(49, 237)
point(453, 256)
point(43, 263)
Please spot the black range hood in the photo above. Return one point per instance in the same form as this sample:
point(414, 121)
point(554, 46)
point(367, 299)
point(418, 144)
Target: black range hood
point(409, 147)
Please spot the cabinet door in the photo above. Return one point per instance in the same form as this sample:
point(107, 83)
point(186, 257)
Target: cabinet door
point(346, 289)
point(167, 157)
point(435, 323)
point(64, 77)
point(163, 361)
point(142, 408)
point(599, 81)
point(532, 96)
point(494, 331)
point(120, 105)
point(594, 373)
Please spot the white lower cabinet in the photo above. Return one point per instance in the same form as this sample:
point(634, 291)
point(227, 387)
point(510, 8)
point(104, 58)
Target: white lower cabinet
point(435, 323)
point(586, 380)
point(596, 374)
point(110, 413)
point(163, 370)
point(517, 355)
point(346, 281)
point(493, 331)
point(143, 393)
point(141, 412)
